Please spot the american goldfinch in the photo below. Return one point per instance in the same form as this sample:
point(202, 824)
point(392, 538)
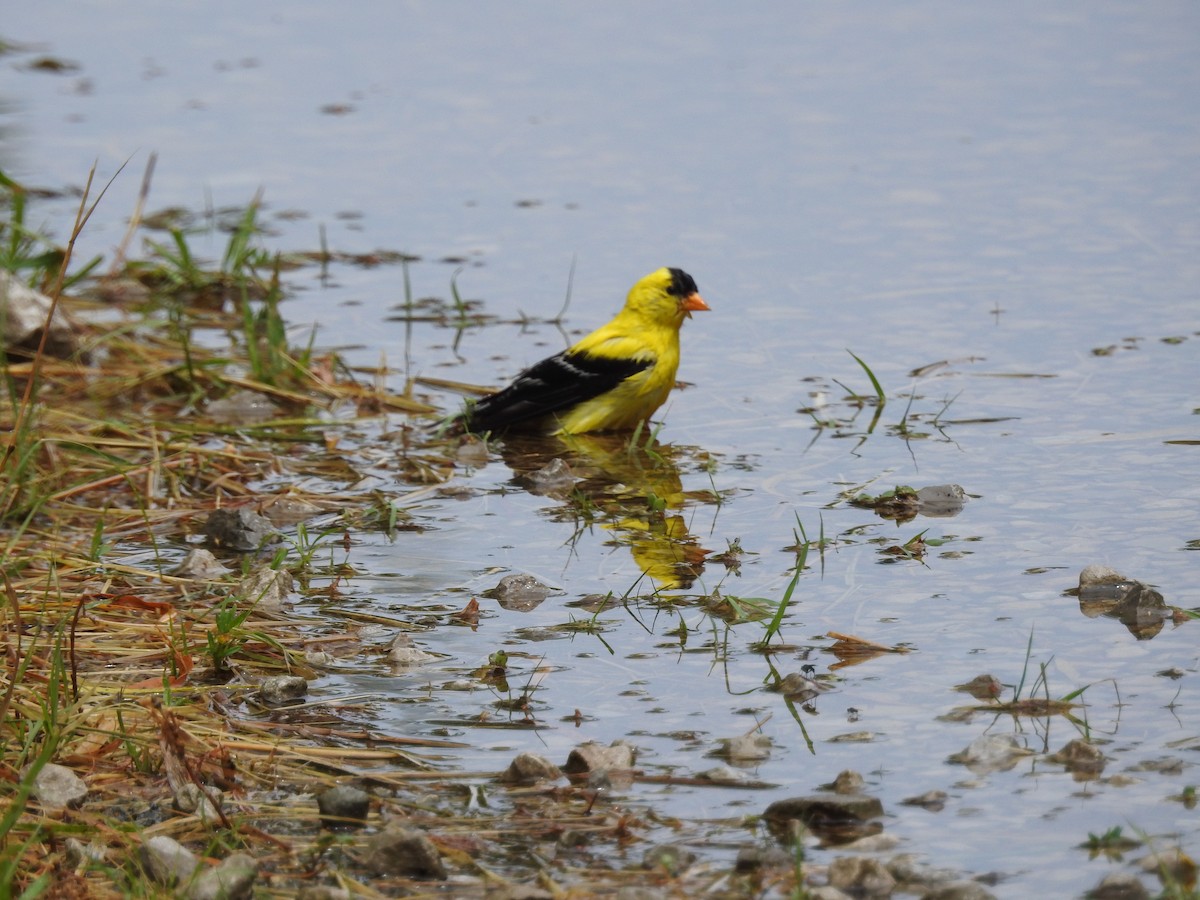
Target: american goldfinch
point(612, 380)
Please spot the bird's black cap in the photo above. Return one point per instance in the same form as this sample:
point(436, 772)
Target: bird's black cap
point(682, 284)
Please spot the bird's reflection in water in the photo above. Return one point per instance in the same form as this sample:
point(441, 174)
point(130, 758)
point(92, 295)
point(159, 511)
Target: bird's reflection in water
point(630, 487)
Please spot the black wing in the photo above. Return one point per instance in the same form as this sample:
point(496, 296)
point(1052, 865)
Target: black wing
point(553, 385)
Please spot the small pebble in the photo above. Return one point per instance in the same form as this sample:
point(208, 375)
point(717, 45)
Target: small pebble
point(344, 806)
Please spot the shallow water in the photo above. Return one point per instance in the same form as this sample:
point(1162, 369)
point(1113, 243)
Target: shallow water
point(1007, 188)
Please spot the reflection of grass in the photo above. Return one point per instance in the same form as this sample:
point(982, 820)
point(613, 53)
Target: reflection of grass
point(912, 549)
point(1111, 843)
point(1041, 680)
point(648, 445)
point(827, 416)
point(590, 625)
point(775, 626)
point(1039, 707)
point(522, 700)
point(1188, 797)
point(736, 610)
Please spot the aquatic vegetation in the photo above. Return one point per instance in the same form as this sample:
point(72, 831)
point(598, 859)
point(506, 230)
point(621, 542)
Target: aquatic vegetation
point(648, 533)
point(774, 626)
point(880, 397)
point(225, 638)
point(178, 275)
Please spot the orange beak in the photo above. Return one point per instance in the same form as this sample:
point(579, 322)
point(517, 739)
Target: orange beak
point(693, 303)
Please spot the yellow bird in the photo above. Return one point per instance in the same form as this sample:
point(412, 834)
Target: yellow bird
point(612, 380)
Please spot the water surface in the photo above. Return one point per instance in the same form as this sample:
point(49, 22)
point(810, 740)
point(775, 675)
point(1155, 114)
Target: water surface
point(1009, 188)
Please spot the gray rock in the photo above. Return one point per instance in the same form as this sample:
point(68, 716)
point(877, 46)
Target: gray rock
point(726, 775)
point(839, 818)
point(403, 652)
point(873, 843)
point(800, 687)
point(941, 500)
point(319, 659)
point(472, 453)
point(1119, 886)
point(934, 801)
point(286, 510)
point(593, 756)
point(555, 479)
point(530, 768)
point(239, 529)
point(57, 787)
point(982, 687)
point(519, 593)
point(863, 876)
point(1105, 592)
point(404, 851)
point(615, 780)
point(267, 588)
point(202, 802)
point(277, 690)
point(1094, 575)
point(848, 782)
point(243, 406)
point(344, 806)
point(814, 808)
point(232, 879)
point(917, 876)
point(991, 753)
point(79, 853)
point(166, 860)
point(23, 314)
point(1080, 757)
point(746, 747)
point(753, 857)
point(202, 565)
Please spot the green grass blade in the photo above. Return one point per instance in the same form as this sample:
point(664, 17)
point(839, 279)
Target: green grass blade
point(871, 375)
